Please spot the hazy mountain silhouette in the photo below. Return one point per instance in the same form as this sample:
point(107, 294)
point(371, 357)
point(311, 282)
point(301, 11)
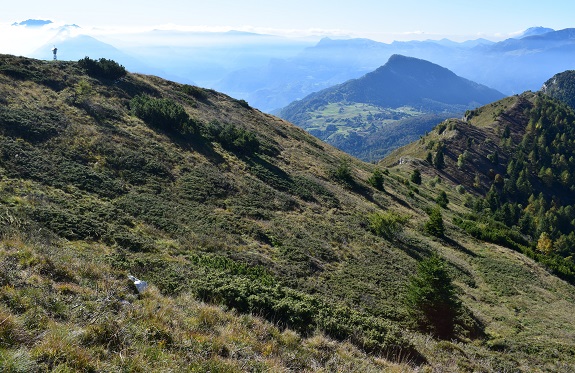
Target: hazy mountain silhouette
point(510, 66)
point(432, 91)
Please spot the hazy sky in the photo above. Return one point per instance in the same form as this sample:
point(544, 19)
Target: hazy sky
point(376, 19)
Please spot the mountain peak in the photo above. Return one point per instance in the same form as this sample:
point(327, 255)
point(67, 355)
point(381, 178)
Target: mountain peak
point(533, 31)
point(399, 58)
point(352, 115)
point(411, 62)
point(415, 68)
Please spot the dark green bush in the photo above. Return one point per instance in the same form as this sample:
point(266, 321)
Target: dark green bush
point(129, 241)
point(416, 177)
point(256, 273)
point(20, 159)
point(102, 68)
point(376, 180)
point(204, 182)
point(342, 173)
point(492, 231)
point(304, 313)
point(387, 224)
point(69, 225)
point(162, 113)
point(236, 139)
point(31, 125)
point(244, 103)
point(442, 199)
point(439, 158)
point(196, 92)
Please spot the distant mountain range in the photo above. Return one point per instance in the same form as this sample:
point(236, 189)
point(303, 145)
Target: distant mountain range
point(412, 91)
point(33, 23)
point(271, 71)
point(535, 31)
point(510, 66)
point(408, 81)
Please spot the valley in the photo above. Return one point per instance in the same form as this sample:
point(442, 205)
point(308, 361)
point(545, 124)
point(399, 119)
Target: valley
point(387, 108)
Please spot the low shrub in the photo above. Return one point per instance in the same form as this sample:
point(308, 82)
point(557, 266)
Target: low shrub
point(162, 113)
point(196, 92)
point(304, 313)
point(31, 125)
point(376, 180)
point(235, 138)
point(102, 68)
point(387, 224)
point(342, 173)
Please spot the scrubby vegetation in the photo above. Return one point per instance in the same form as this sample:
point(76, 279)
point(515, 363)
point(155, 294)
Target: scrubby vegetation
point(102, 68)
point(522, 171)
point(434, 226)
point(163, 114)
point(387, 224)
point(265, 250)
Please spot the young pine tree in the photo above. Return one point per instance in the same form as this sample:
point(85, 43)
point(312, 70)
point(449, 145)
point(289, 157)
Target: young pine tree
point(376, 180)
point(416, 177)
point(438, 160)
point(431, 298)
point(434, 225)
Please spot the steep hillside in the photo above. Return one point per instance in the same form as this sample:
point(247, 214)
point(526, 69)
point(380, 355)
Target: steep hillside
point(562, 87)
point(412, 94)
point(515, 156)
point(307, 260)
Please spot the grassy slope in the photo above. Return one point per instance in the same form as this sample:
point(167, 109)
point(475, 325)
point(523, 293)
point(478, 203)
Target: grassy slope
point(101, 195)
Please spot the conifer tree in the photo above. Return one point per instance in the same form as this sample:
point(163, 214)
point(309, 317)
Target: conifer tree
point(431, 297)
point(434, 225)
point(438, 160)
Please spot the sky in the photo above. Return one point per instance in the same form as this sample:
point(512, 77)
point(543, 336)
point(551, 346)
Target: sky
point(380, 20)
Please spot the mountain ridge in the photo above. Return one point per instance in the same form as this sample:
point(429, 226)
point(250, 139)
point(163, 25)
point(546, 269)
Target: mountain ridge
point(510, 66)
point(403, 82)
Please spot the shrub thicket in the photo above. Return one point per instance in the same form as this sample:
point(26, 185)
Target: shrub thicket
point(342, 173)
point(416, 177)
point(238, 139)
point(304, 313)
point(442, 199)
point(387, 224)
point(102, 68)
point(162, 113)
point(376, 180)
